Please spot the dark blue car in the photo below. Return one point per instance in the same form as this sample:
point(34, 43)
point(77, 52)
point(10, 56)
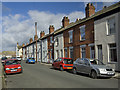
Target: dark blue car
point(30, 60)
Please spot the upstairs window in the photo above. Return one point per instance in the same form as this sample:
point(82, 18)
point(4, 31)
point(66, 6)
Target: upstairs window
point(70, 36)
point(51, 41)
point(82, 32)
point(111, 26)
point(56, 42)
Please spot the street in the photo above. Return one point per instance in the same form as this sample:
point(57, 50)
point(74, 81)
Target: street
point(43, 76)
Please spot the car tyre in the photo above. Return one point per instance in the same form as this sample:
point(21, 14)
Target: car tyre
point(94, 75)
point(74, 71)
point(61, 68)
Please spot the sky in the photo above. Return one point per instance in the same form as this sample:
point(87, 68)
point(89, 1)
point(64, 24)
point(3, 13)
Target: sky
point(18, 19)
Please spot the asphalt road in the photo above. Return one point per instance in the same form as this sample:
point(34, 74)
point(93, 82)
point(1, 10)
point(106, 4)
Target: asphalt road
point(43, 76)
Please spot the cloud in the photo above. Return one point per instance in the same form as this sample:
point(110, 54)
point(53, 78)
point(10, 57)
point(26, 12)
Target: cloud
point(16, 28)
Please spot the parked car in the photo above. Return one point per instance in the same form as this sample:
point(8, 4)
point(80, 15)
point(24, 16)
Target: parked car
point(19, 58)
point(12, 66)
point(94, 67)
point(3, 59)
point(63, 63)
point(30, 60)
point(13, 58)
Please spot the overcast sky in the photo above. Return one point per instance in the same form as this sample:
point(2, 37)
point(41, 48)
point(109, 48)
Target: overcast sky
point(18, 18)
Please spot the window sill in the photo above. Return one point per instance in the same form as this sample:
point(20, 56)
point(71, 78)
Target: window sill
point(110, 34)
point(112, 62)
point(70, 42)
point(82, 40)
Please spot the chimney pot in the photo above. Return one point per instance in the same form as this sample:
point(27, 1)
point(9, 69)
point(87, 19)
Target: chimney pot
point(51, 29)
point(65, 21)
point(42, 33)
point(90, 10)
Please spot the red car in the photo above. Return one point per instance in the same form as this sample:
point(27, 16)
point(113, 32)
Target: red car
point(63, 63)
point(12, 66)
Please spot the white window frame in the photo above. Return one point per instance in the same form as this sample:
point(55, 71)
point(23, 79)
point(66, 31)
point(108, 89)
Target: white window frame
point(109, 57)
point(51, 41)
point(69, 52)
point(108, 30)
point(81, 28)
point(70, 36)
point(65, 49)
point(82, 51)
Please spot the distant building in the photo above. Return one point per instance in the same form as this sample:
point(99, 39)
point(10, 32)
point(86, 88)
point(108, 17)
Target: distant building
point(18, 50)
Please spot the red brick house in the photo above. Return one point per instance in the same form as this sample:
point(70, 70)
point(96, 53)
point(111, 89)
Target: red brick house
point(79, 36)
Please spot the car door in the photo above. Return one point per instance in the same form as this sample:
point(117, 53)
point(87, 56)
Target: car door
point(79, 65)
point(59, 62)
point(55, 63)
point(86, 66)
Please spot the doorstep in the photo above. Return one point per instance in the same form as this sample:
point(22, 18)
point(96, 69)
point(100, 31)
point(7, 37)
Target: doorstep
point(117, 75)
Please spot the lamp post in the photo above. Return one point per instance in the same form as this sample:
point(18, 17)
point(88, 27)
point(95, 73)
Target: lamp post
point(36, 39)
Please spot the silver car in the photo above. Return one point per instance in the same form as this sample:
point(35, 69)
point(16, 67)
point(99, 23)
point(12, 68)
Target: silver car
point(94, 67)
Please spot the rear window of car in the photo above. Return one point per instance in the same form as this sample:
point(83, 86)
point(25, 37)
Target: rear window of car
point(31, 58)
point(68, 61)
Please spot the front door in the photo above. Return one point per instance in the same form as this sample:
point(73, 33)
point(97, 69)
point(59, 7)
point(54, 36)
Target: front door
point(100, 54)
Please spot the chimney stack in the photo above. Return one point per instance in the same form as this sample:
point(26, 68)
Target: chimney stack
point(51, 29)
point(35, 37)
point(42, 33)
point(31, 40)
point(17, 44)
point(90, 10)
point(23, 45)
point(65, 21)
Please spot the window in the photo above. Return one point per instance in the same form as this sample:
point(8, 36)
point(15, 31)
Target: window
point(51, 41)
point(112, 53)
point(65, 52)
point(61, 53)
point(111, 26)
point(71, 52)
point(56, 42)
point(92, 52)
point(70, 36)
point(83, 54)
point(100, 54)
point(57, 53)
point(51, 54)
point(82, 32)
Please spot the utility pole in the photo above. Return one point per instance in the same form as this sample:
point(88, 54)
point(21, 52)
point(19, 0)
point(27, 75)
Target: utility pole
point(36, 39)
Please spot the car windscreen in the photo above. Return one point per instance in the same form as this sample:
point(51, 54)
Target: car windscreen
point(12, 62)
point(4, 58)
point(68, 61)
point(96, 62)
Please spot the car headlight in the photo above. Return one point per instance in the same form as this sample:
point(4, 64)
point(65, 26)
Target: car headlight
point(102, 69)
point(7, 69)
point(19, 67)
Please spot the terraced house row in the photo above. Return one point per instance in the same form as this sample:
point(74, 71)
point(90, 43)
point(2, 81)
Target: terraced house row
point(94, 36)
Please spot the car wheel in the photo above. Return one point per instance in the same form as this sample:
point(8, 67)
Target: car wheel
point(61, 68)
point(94, 75)
point(74, 71)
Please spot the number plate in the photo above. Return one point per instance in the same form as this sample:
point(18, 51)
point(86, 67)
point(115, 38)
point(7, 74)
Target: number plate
point(110, 73)
point(69, 67)
point(13, 70)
